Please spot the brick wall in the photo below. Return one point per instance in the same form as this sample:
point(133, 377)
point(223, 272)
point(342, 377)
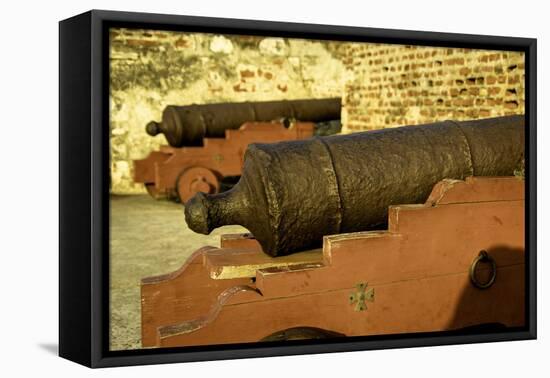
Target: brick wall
point(393, 85)
point(152, 69)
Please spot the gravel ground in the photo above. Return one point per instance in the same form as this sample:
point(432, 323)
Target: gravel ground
point(148, 238)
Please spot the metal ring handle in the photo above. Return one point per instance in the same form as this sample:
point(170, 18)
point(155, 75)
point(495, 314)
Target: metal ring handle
point(483, 257)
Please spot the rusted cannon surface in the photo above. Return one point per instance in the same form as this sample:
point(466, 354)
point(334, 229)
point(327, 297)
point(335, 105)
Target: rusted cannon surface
point(189, 125)
point(293, 193)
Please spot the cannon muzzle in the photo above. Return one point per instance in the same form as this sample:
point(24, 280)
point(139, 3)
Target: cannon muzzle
point(153, 128)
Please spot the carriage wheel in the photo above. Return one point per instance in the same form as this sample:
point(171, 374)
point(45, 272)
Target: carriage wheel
point(302, 333)
point(196, 179)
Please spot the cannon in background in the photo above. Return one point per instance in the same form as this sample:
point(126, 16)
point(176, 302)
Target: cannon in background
point(179, 173)
point(291, 194)
point(189, 125)
point(207, 142)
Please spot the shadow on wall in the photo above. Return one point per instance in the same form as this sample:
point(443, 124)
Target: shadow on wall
point(503, 303)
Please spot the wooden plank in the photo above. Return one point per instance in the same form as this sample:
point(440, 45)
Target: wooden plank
point(424, 305)
point(238, 263)
point(144, 169)
point(185, 294)
point(477, 189)
point(168, 149)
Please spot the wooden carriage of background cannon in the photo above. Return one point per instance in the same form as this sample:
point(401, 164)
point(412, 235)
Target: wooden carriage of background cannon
point(207, 142)
point(446, 253)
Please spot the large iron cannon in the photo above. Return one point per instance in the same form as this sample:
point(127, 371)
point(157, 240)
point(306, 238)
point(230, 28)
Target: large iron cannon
point(188, 125)
point(291, 194)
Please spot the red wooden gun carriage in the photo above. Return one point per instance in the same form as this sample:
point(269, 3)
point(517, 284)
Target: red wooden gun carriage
point(180, 172)
point(453, 262)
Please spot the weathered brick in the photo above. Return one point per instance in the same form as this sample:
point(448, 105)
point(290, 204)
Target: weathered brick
point(473, 91)
point(438, 83)
point(511, 104)
point(183, 43)
point(142, 43)
point(513, 79)
point(247, 73)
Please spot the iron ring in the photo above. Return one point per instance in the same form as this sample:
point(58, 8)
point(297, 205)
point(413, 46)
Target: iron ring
point(483, 257)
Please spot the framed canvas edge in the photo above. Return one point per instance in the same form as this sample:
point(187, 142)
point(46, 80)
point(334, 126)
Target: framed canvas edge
point(97, 255)
point(75, 233)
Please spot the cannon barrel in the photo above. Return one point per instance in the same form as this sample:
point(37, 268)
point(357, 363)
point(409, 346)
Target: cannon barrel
point(291, 194)
point(188, 125)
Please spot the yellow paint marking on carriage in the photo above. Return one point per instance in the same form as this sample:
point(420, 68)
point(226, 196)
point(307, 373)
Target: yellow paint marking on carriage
point(230, 270)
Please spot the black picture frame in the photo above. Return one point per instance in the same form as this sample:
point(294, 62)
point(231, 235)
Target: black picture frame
point(84, 186)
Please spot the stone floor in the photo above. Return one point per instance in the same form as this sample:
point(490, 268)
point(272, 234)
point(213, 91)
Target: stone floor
point(148, 238)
